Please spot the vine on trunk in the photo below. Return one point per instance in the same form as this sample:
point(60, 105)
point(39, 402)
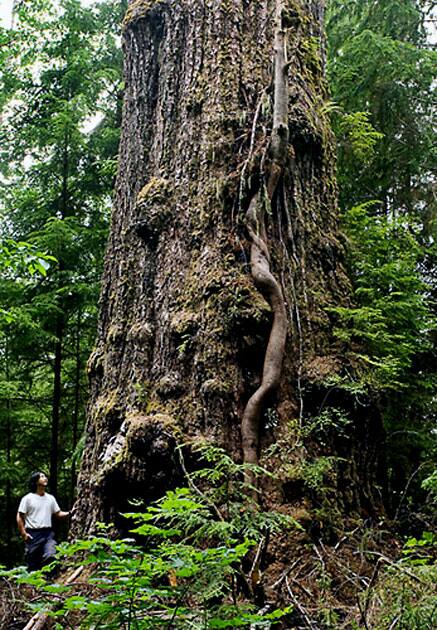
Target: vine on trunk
point(259, 253)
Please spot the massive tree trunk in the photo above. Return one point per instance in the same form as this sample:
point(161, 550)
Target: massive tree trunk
point(224, 253)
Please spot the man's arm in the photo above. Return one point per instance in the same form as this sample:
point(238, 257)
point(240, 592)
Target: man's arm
point(57, 512)
point(22, 526)
point(60, 514)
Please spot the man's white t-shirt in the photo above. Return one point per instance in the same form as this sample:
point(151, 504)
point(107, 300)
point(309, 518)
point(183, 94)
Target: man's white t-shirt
point(38, 509)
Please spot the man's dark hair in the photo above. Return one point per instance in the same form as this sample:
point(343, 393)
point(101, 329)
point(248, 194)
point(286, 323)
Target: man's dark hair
point(33, 480)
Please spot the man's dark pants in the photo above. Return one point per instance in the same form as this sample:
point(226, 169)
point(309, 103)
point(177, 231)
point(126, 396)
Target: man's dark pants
point(41, 549)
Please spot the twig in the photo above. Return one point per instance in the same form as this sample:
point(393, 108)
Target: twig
point(397, 566)
point(345, 537)
point(284, 574)
point(347, 569)
point(362, 613)
point(302, 587)
point(254, 573)
point(356, 577)
point(299, 606)
point(195, 488)
point(263, 611)
point(404, 494)
point(369, 590)
point(320, 557)
point(74, 575)
point(178, 602)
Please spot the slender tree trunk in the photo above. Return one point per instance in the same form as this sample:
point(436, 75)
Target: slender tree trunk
point(8, 491)
point(224, 254)
point(56, 403)
point(77, 400)
point(59, 330)
point(8, 503)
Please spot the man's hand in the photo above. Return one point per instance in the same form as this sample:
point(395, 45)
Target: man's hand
point(61, 514)
point(22, 527)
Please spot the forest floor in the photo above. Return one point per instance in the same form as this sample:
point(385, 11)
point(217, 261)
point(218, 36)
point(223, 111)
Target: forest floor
point(366, 580)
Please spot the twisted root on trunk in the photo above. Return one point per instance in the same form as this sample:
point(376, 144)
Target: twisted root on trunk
point(260, 256)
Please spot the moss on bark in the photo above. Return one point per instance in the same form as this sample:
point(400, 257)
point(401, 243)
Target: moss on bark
point(183, 329)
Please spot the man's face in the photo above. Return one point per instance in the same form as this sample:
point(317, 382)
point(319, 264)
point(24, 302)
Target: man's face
point(43, 481)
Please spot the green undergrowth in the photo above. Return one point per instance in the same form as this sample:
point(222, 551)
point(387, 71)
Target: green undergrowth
point(405, 595)
point(190, 562)
point(389, 322)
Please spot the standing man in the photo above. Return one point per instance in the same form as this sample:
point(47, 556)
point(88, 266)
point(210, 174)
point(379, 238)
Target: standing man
point(34, 520)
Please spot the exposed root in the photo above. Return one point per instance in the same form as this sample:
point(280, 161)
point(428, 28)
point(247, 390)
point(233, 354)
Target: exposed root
point(260, 256)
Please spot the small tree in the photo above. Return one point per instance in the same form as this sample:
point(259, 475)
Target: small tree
point(59, 138)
